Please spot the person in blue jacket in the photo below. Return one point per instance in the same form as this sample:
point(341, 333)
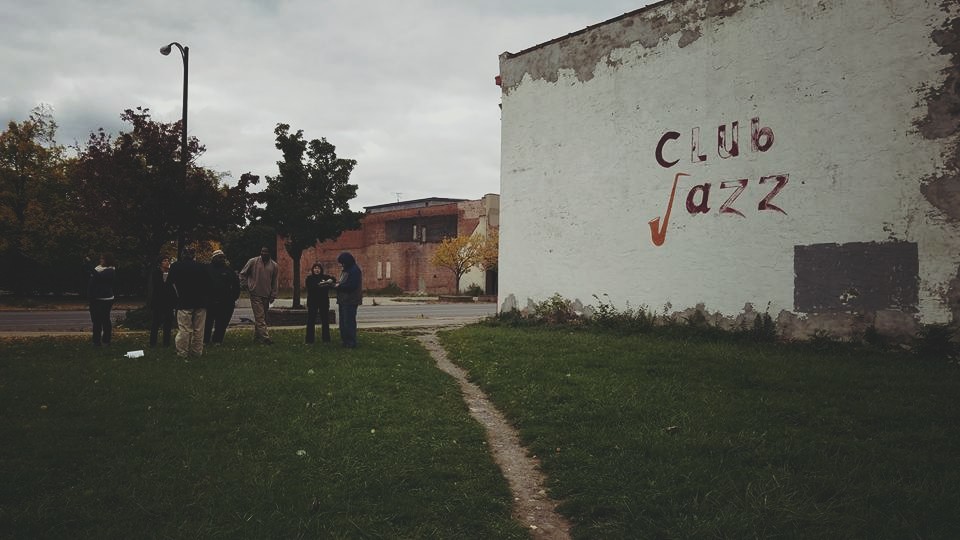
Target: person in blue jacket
point(349, 297)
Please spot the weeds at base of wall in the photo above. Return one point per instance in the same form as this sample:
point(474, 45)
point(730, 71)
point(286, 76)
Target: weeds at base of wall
point(605, 316)
point(934, 342)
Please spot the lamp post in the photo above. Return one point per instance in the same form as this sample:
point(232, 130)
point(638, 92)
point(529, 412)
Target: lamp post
point(185, 53)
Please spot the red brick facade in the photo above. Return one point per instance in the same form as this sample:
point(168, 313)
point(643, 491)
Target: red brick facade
point(395, 243)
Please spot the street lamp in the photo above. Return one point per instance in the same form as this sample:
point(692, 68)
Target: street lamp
point(185, 53)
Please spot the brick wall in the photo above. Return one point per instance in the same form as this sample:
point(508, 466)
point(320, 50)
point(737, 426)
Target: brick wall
point(405, 263)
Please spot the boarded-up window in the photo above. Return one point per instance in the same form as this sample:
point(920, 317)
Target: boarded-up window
point(424, 229)
point(858, 276)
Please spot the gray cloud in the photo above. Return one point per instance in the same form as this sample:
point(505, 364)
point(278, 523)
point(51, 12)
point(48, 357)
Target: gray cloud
point(405, 88)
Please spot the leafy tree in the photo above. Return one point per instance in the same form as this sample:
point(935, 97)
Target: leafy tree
point(309, 201)
point(32, 197)
point(459, 254)
point(243, 243)
point(490, 251)
point(133, 187)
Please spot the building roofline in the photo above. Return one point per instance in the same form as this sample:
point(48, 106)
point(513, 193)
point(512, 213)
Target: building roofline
point(508, 54)
point(414, 203)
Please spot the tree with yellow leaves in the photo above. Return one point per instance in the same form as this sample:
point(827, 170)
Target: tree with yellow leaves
point(458, 254)
point(490, 251)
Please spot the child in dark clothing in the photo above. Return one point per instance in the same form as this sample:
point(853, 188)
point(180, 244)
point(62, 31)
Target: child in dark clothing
point(318, 300)
point(162, 300)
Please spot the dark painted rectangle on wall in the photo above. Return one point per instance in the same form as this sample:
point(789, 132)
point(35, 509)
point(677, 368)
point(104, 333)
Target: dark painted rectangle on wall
point(858, 276)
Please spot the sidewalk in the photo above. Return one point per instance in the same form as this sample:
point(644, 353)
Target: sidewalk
point(244, 322)
point(244, 301)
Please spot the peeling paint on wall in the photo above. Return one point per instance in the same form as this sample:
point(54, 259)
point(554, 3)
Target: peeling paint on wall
point(943, 120)
point(582, 51)
point(943, 102)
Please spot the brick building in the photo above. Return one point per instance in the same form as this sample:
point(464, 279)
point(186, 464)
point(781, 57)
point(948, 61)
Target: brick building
point(395, 242)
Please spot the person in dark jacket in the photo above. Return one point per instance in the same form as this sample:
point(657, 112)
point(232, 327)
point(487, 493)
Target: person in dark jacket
point(161, 299)
point(318, 287)
point(192, 284)
point(100, 295)
point(349, 297)
point(224, 291)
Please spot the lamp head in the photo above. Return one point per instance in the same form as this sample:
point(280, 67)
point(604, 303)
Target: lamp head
point(165, 50)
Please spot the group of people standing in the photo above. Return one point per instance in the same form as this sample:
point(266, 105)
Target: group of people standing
point(201, 298)
point(349, 289)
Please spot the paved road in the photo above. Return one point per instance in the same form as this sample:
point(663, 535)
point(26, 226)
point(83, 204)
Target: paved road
point(394, 314)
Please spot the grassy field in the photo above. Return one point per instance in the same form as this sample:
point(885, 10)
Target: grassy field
point(288, 441)
point(659, 437)
point(641, 436)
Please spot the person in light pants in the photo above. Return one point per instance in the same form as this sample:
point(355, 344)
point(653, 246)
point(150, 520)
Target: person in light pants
point(191, 282)
point(261, 275)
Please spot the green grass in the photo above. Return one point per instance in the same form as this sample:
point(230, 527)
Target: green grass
point(245, 442)
point(660, 437)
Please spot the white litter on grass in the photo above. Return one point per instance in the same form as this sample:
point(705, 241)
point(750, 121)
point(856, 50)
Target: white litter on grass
point(135, 354)
point(301, 453)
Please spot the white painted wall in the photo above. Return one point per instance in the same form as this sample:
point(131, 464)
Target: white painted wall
point(839, 83)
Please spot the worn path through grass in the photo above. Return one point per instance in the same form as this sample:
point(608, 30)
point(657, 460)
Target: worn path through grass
point(646, 436)
point(532, 504)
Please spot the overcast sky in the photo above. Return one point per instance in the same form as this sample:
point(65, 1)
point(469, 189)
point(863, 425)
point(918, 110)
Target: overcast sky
point(405, 87)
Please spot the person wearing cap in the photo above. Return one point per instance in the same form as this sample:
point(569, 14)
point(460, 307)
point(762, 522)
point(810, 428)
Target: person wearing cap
point(349, 297)
point(224, 291)
point(191, 281)
point(261, 275)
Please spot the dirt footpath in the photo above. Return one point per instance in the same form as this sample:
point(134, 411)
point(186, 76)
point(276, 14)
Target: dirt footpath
point(531, 505)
